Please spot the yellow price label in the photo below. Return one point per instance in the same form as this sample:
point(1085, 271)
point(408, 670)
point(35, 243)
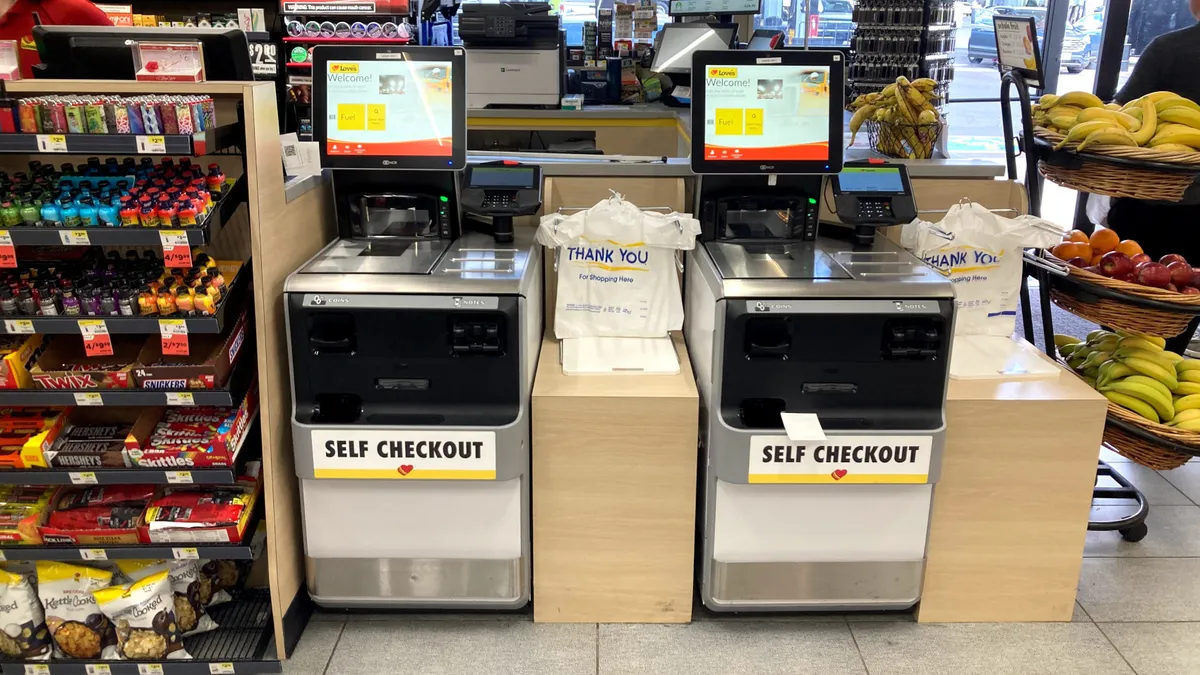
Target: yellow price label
point(151, 145)
point(83, 478)
point(18, 327)
point(88, 398)
point(52, 143)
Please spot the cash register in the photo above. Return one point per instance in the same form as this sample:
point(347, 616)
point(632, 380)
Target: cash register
point(414, 477)
point(821, 361)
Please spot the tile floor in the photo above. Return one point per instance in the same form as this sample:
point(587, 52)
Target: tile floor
point(1138, 613)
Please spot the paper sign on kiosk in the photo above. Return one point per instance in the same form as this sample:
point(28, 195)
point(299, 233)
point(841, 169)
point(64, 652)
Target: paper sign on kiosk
point(867, 459)
point(803, 426)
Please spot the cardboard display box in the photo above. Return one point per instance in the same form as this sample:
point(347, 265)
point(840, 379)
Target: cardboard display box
point(207, 366)
point(248, 489)
point(89, 537)
point(53, 367)
point(72, 452)
point(27, 433)
point(220, 451)
point(20, 352)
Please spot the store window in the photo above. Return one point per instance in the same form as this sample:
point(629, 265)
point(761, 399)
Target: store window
point(826, 23)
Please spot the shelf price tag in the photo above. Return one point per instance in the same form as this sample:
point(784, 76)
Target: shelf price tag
point(18, 327)
point(83, 478)
point(74, 238)
point(179, 477)
point(180, 398)
point(174, 334)
point(225, 668)
point(186, 553)
point(96, 340)
point(151, 145)
point(150, 669)
point(8, 252)
point(97, 669)
point(176, 250)
point(93, 554)
point(88, 398)
point(37, 669)
point(51, 143)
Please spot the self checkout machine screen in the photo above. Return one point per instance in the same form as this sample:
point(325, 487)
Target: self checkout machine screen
point(391, 125)
point(872, 194)
point(501, 190)
point(771, 130)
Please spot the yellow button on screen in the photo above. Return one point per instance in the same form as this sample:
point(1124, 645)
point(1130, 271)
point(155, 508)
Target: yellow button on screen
point(350, 117)
point(754, 121)
point(729, 121)
point(377, 117)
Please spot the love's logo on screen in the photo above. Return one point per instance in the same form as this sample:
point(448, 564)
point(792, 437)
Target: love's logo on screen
point(722, 72)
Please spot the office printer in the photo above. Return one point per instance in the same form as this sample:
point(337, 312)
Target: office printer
point(514, 53)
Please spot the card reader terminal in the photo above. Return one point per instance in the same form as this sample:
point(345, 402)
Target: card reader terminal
point(868, 195)
point(501, 190)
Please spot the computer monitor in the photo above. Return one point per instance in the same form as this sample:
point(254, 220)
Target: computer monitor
point(765, 39)
point(775, 113)
point(675, 43)
point(103, 52)
point(713, 7)
point(378, 107)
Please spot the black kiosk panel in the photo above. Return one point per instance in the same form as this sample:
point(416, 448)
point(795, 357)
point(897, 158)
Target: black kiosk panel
point(390, 107)
point(767, 114)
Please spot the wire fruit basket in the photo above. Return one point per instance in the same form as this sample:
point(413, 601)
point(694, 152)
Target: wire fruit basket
point(904, 140)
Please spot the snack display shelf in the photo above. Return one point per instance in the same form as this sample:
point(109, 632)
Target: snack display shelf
point(349, 40)
point(238, 646)
point(132, 325)
point(244, 550)
point(232, 395)
point(195, 145)
point(31, 235)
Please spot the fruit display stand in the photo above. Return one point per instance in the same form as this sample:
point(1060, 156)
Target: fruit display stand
point(277, 233)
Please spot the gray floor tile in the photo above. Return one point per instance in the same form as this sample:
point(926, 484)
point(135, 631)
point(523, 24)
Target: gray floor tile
point(1186, 478)
point(1140, 589)
point(1080, 614)
point(316, 646)
point(1156, 488)
point(465, 647)
point(1112, 457)
point(986, 649)
point(1174, 533)
point(763, 648)
point(1157, 648)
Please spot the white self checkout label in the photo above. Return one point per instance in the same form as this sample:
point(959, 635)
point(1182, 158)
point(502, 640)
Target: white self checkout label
point(416, 454)
point(840, 460)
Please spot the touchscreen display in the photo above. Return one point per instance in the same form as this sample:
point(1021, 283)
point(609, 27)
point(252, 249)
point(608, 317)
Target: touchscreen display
point(766, 113)
point(870, 180)
point(389, 107)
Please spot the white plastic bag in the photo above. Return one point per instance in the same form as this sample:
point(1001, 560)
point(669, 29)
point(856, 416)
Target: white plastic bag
point(981, 253)
point(616, 269)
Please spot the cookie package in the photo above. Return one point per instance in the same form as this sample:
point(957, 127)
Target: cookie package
point(144, 614)
point(23, 632)
point(193, 590)
point(79, 629)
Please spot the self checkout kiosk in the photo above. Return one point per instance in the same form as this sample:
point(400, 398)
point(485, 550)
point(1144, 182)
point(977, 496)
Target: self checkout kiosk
point(821, 352)
point(413, 342)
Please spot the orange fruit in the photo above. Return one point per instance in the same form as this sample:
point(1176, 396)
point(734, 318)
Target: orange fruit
point(1096, 259)
point(1129, 247)
point(1104, 240)
point(1072, 249)
point(1076, 235)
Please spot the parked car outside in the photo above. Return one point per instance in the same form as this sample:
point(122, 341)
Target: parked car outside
point(982, 44)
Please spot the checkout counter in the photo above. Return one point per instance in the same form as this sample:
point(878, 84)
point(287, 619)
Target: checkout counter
point(992, 531)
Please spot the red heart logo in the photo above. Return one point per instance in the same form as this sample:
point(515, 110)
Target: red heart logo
point(405, 469)
point(837, 475)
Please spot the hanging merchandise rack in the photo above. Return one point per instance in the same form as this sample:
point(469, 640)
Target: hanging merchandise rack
point(909, 38)
point(253, 444)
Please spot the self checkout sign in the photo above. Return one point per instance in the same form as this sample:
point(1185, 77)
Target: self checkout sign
point(416, 454)
point(840, 459)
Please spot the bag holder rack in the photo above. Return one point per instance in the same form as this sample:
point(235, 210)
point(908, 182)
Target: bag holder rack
point(570, 210)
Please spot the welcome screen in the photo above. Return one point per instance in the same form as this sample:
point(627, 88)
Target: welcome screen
point(766, 113)
point(389, 108)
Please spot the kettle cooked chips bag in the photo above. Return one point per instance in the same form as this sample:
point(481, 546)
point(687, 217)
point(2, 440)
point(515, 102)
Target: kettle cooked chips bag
point(79, 629)
point(23, 632)
point(144, 614)
point(192, 589)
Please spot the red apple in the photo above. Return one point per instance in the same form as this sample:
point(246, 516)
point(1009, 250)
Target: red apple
point(1190, 290)
point(1078, 261)
point(1115, 263)
point(1142, 264)
point(1173, 288)
point(1170, 258)
point(1154, 274)
point(1195, 278)
point(1139, 259)
point(1129, 278)
point(1181, 273)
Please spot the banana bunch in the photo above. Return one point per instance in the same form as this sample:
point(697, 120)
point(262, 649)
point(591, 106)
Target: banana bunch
point(1162, 120)
point(1137, 373)
point(900, 103)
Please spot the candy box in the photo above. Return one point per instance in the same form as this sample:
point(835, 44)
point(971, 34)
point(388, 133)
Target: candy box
point(20, 352)
point(207, 366)
point(191, 437)
point(126, 533)
point(26, 434)
point(93, 438)
point(21, 510)
point(64, 365)
point(210, 514)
